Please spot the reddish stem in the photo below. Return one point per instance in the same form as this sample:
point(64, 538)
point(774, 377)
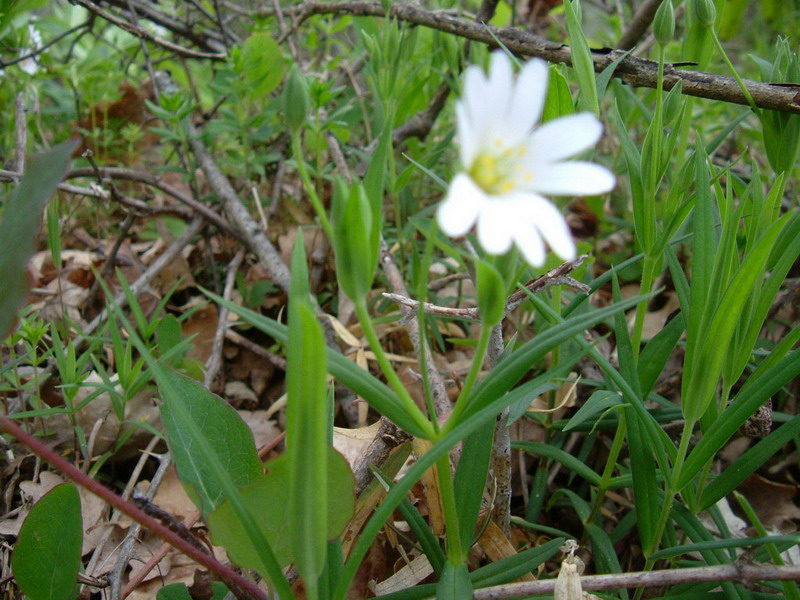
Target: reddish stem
point(226, 574)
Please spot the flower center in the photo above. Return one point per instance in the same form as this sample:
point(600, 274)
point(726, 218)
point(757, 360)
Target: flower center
point(499, 169)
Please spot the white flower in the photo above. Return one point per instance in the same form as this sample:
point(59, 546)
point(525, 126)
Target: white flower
point(508, 165)
point(29, 64)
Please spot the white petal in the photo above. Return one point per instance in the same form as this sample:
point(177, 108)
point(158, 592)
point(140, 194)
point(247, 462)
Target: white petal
point(574, 178)
point(501, 82)
point(530, 244)
point(565, 137)
point(553, 226)
point(495, 227)
point(468, 142)
point(527, 101)
point(476, 99)
point(460, 209)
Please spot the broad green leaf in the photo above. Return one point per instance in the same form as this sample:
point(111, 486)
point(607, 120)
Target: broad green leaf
point(20, 224)
point(306, 426)
point(47, 556)
point(558, 102)
point(179, 591)
point(702, 257)
point(603, 552)
point(205, 417)
point(455, 583)
point(261, 65)
point(268, 500)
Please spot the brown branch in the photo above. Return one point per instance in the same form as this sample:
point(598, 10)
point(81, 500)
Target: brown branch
point(154, 181)
point(226, 574)
point(146, 35)
point(634, 71)
point(20, 131)
point(206, 38)
point(255, 238)
point(731, 572)
point(557, 276)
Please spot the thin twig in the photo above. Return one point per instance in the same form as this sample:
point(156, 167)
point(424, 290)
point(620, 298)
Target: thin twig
point(557, 276)
point(20, 131)
point(256, 239)
point(146, 278)
point(144, 34)
point(632, 70)
point(152, 180)
point(215, 359)
point(441, 401)
point(738, 572)
point(115, 577)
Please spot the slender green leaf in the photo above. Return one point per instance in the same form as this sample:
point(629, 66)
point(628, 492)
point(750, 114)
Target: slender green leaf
point(571, 462)
point(455, 583)
point(749, 462)
point(581, 58)
point(740, 409)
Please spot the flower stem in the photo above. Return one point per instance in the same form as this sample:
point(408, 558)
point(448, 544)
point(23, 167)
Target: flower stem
point(728, 62)
point(389, 372)
point(455, 550)
point(477, 362)
point(312, 192)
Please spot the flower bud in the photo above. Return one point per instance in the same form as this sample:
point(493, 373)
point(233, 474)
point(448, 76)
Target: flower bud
point(664, 23)
point(706, 12)
point(491, 293)
point(296, 99)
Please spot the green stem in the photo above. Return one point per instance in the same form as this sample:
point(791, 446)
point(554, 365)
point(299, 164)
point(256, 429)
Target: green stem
point(648, 277)
point(670, 490)
point(309, 185)
point(389, 372)
point(728, 62)
point(455, 550)
point(611, 464)
point(477, 363)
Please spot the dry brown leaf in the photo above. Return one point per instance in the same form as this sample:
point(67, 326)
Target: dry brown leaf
point(497, 546)
point(408, 576)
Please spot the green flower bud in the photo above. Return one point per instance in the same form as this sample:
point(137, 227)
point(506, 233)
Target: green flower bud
point(706, 12)
point(664, 23)
point(491, 292)
point(296, 99)
point(354, 244)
